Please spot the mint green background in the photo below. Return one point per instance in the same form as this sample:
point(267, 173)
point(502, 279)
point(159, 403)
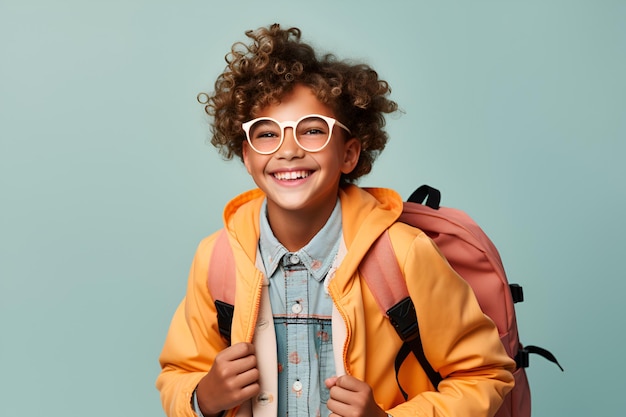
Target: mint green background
point(515, 110)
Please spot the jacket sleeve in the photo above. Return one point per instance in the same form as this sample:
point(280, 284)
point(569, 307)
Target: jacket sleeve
point(192, 342)
point(460, 342)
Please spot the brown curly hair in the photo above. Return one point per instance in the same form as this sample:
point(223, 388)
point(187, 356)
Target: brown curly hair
point(263, 72)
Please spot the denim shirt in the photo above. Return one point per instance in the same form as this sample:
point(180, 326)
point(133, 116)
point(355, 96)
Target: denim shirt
point(302, 312)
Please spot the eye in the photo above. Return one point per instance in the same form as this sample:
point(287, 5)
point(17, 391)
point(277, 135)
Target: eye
point(266, 134)
point(264, 130)
point(313, 131)
point(313, 126)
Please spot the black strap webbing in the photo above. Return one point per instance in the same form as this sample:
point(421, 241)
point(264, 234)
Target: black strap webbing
point(426, 195)
point(522, 359)
point(404, 320)
point(404, 351)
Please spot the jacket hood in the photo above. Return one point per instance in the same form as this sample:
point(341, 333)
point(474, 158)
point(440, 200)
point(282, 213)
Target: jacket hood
point(370, 212)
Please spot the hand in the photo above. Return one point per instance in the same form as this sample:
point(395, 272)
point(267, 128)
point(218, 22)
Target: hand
point(233, 379)
point(350, 397)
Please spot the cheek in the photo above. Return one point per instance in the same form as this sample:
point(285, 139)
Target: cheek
point(245, 154)
point(255, 164)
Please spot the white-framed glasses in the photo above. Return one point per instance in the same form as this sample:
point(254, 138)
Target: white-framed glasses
point(311, 132)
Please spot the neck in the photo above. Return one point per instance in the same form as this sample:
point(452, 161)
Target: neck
point(294, 229)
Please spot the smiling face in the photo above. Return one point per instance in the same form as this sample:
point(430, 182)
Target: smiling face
point(297, 181)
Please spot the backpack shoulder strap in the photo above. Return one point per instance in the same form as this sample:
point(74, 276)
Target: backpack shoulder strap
point(383, 276)
point(221, 282)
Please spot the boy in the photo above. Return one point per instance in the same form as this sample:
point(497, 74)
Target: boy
point(308, 338)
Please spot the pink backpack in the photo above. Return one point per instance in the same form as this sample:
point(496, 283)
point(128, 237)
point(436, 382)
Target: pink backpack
point(468, 250)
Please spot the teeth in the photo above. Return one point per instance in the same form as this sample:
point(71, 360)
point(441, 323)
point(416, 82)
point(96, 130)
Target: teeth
point(291, 175)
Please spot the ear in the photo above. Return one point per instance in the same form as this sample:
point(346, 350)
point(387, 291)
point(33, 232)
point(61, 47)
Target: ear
point(245, 151)
point(351, 153)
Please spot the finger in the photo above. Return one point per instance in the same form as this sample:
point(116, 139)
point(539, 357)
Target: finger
point(236, 359)
point(239, 350)
point(340, 395)
point(348, 383)
point(248, 391)
point(244, 364)
point(338, 408)
point(249, 377)
point(349, 390)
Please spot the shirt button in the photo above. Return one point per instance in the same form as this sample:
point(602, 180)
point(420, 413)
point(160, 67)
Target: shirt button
point(297, 386)
point(296, 308)
point(294, 259)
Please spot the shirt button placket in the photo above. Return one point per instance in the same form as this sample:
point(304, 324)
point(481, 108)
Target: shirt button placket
point(297, 370)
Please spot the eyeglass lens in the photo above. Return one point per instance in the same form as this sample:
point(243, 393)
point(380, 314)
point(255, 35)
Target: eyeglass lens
point(311, 134)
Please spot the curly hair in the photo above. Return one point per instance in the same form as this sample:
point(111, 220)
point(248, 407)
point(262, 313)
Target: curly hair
point(263, 72)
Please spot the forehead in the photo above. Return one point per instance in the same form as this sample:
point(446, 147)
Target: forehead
point(299, 102)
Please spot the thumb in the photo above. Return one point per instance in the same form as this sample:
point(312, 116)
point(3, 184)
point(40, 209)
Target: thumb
point(330, 382)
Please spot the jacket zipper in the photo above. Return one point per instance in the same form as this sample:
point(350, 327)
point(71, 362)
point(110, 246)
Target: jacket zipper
point(344, 353)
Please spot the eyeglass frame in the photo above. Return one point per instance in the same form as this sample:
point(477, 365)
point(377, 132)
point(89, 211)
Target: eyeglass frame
point(331, 122)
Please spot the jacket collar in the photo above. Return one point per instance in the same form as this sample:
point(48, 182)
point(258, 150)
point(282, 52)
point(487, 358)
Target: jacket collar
point(366, 213)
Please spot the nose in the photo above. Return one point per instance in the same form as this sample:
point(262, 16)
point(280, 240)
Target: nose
point(289, 148)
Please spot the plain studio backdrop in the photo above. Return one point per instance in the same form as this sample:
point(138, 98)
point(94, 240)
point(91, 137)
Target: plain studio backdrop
point(515, 110)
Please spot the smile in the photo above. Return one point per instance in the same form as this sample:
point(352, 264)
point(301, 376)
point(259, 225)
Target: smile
point(291, 175)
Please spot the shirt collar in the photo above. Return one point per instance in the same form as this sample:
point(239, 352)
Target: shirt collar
point(317, 256)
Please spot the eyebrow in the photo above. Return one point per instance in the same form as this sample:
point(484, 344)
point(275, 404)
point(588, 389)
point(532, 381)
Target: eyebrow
point(263, 123)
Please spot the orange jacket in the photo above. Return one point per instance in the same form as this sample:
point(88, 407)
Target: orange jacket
point(461, 343)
